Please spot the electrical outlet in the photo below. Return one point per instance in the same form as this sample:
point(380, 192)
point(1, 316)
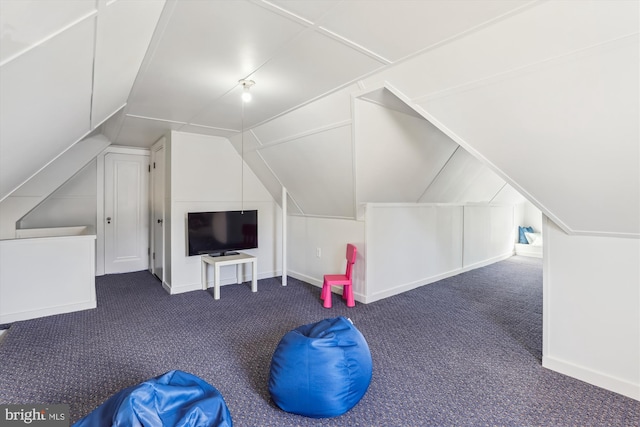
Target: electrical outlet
point(318, 252)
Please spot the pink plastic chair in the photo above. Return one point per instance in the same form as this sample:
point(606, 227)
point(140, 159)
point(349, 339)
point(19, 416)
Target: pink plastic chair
point(341, 280)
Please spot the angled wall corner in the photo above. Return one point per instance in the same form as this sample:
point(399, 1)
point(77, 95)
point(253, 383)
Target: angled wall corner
point(398, 154)
point(401, 157)
point(33, 192)
point(317, 171)
point(46, 94)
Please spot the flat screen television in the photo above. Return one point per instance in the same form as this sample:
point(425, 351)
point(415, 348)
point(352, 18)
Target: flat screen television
point(221, 233)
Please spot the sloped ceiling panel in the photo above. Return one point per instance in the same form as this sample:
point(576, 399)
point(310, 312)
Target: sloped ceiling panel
point(317, 171)
point(536, 117)
point(137, 131)
point(387, 99)
point(264, 174)
point(63, 168)
point(540, 32)
point(25, 23)
point(325, 112)
point(46, 94)
point(464, 179)
point(397, 155)
point(309, 10)
point(409, 26)
point(124, 31)
point(247, 149)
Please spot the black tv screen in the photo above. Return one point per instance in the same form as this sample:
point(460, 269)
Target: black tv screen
point(214, 233)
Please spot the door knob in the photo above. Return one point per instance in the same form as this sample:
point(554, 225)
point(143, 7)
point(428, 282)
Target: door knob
point(108, 220)
point(159, 221)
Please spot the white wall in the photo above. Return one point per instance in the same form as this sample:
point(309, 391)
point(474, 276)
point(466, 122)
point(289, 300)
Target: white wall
point(400, 246)
point(206, 175)
point(592, 309)
point(527, 215)
point(60, 281)
point(488, 234)
point(74, 203)
point(307, 235)
point(410, 245)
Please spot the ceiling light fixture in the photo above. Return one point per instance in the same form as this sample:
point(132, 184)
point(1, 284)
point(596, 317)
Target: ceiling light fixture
point(246, 85)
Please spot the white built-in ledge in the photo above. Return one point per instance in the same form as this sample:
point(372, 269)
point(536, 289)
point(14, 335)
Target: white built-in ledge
point(47, 271)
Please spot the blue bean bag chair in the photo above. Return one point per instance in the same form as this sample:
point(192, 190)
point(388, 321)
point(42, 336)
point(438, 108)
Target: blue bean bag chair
point(176, 399)
point(321, 369)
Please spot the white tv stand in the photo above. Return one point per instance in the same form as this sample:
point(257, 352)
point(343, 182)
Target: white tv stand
point(219, 261)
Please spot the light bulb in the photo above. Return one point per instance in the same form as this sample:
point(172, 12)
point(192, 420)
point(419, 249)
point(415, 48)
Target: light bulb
point(246, 95)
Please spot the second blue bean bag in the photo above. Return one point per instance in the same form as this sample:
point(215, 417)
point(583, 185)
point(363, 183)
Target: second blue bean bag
point(176, 398)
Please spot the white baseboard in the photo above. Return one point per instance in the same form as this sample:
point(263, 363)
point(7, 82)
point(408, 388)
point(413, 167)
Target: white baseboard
point(48, 311)
point(528, 250)
point(305, 278)
point(318, 283)
point(166, 287)
point(598, 379)
point(486, 262)
point(396, 290)
point(405, 287)
point(174, 290)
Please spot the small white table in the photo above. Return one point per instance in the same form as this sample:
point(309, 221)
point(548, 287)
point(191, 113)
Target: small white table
point(219, 261)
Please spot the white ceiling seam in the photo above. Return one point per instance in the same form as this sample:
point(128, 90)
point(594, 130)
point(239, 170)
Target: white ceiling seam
point(348, 218)
point(49, 37)
point(435, 178)
point(310, 101)
point(158, 120)
point(282, 12)
point(467, 32)
point(108, 117)
point(354, 162)
point(163, 21)
point(280, 182)
point(523, 69)
point(211, 127)
point(310, 132)
point(251, 132)
point(386, 85)
point(356, 46)
point(93, 65)
point(498, 192)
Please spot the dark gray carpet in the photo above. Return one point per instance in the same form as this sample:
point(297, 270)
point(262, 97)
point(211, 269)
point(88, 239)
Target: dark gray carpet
point(461, 352)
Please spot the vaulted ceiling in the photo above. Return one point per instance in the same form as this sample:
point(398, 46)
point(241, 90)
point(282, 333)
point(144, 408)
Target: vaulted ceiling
point(535, 94)
point(295, 51)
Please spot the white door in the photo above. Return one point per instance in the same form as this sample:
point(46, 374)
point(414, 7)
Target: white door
point(126, 213)
point(157, 213)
